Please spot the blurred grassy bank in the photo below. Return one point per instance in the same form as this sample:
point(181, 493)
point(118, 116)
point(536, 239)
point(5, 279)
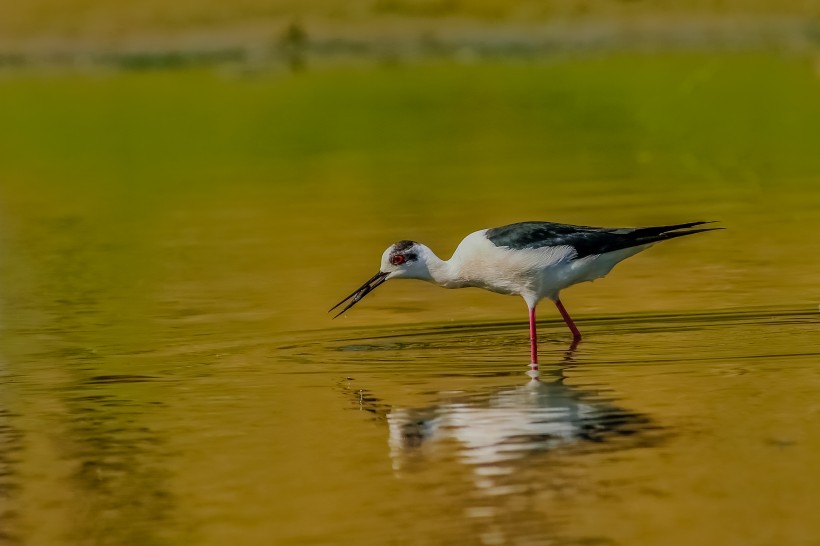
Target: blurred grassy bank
point(257, 35)
point(107, 21)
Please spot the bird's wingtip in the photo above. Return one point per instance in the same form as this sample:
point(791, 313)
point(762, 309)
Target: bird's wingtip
point(700, 223)
point(679, 227)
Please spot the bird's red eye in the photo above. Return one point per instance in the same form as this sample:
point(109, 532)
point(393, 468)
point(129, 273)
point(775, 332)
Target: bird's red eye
point(398, 259)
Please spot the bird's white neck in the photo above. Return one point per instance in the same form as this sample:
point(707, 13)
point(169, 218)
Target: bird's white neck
point(444, 273)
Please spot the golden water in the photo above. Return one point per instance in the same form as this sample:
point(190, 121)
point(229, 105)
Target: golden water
point(170, 374)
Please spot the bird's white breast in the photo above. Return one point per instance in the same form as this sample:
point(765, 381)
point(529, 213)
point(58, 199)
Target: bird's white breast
point(506, 271)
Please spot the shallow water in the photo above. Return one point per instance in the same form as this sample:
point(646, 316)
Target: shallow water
point(170, 374)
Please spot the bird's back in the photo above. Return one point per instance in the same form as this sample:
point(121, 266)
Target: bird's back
point(584, 240)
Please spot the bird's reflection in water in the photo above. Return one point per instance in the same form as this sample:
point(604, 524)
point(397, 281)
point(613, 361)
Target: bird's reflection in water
point(507, 458)
point(491, 430)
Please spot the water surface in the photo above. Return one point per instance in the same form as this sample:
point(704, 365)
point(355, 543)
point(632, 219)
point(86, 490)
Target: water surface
point(169, 244)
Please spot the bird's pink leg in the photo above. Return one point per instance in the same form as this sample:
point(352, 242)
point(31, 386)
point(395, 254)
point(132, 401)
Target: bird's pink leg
point(533, 341)
point(576, 335)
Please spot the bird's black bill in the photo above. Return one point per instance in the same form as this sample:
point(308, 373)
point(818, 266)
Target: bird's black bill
point(364, 290)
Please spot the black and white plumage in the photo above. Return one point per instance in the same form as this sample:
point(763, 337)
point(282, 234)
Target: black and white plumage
point(535, 260)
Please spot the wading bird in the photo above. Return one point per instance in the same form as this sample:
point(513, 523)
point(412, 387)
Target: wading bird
point(534, 260)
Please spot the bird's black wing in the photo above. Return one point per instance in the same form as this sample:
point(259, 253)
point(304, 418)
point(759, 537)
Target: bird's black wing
point(584, 239)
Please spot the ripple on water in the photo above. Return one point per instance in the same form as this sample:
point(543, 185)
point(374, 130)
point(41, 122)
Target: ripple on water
point(470, 347)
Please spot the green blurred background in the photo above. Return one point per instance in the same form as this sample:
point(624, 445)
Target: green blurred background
point(186, 187)
point(427, 120)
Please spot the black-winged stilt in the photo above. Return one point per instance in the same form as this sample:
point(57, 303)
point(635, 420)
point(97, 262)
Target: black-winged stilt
point(535, 260)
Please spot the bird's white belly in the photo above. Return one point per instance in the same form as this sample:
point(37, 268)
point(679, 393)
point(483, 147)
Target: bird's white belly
point(537, 273)
point(565, 274)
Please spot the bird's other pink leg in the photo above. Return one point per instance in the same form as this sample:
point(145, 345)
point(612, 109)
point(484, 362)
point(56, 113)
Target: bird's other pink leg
point(533, 341)
point(576, 335)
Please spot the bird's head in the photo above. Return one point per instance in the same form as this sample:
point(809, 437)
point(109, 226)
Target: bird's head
point(405, 260)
